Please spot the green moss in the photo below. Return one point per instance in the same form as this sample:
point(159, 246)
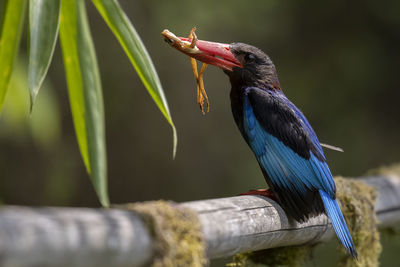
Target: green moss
point(357, 204)
point(293, 256)
point(393, 169)
point(177, 234)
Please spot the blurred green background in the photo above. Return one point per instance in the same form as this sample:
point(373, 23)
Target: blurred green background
point(338, 61)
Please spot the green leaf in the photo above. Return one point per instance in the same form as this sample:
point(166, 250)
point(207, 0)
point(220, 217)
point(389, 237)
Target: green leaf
point(43, 27)
point(85, 93)
point(12, 25)
point(3, 12)
point(130, 41)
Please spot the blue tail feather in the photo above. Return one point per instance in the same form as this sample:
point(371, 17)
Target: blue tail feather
point(338, 222)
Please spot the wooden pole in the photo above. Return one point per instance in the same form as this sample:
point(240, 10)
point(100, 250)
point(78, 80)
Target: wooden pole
point(107, 237)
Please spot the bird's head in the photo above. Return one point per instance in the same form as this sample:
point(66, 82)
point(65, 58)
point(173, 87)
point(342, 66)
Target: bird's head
point(245, 65)
point(256, 67)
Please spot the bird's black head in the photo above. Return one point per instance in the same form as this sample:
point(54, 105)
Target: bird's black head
point(256, 68)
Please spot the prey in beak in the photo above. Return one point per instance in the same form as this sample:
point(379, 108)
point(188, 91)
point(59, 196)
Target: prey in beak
point(216, 54)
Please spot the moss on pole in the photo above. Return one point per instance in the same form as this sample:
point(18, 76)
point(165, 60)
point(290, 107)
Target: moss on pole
point(164, 233)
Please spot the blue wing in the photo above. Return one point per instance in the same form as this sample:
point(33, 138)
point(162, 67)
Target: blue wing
point(292, 159)
point(285, 167)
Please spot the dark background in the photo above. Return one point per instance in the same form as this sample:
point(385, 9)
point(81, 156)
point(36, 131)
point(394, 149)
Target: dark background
point(338, 61)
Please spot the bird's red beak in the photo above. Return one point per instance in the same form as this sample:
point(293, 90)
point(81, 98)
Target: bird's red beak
point(217, 54)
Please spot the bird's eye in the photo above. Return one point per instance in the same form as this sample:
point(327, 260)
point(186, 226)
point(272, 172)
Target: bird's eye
point(249, 57)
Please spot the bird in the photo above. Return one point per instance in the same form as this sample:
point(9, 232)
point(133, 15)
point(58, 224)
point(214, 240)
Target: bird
point(284, 143)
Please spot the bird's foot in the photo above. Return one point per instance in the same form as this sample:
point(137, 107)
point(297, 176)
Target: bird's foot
point(261, 192)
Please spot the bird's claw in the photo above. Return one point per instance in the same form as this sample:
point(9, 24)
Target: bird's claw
point(261, 192)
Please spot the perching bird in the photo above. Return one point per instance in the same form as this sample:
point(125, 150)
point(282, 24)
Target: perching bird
point(282, 140)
